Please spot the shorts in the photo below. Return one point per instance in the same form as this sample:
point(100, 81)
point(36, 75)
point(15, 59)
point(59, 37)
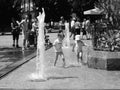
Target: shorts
point(15, 35)
point(77, 50)
point(77, 31)
point(84, 32)
point(60, 53)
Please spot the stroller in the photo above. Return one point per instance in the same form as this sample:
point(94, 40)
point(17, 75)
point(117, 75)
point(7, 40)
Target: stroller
point(48, 43)
point(32, 38)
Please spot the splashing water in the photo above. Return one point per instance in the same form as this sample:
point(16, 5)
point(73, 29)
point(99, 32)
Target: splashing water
point(39, 74)
point(67, 38)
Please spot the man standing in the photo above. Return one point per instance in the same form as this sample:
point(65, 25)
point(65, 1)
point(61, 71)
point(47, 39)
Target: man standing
point(72, 28)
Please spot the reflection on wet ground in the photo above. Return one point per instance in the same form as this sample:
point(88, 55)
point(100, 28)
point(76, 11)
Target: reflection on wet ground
point(13, 57)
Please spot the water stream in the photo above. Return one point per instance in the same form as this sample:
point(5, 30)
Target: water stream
point(39, 74)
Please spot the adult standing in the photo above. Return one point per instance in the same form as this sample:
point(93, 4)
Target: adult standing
point(62, 24)
point(72, 28)
point(15, 32)
point(51, 25)
point(35, 31)
point(87, 28)
point(77, 27)
point(83, 28)
point(24, 25)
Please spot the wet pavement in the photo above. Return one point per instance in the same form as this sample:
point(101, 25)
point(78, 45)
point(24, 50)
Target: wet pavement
point(72, 77)
point(11, 58)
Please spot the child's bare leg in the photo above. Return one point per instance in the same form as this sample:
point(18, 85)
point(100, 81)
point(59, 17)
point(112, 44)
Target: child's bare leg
point(56, 58)
point(63, 58)
point(78, 57)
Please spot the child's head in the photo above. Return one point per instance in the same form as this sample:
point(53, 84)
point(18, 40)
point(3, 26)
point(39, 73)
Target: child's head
point(60, 36)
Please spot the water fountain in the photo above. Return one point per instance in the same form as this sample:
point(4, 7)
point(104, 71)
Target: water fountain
point(67, 38)
point(39, 74)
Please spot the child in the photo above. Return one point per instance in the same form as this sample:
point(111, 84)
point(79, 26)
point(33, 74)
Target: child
point(58, 49)
point(78, 47)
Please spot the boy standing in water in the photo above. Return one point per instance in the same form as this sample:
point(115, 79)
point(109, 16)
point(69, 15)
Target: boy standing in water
point(77, 46)
point(58, 48)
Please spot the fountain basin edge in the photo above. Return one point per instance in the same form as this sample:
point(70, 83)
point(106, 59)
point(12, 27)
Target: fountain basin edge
point(104, 60)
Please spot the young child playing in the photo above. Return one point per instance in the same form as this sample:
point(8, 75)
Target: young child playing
point(58, 48)
point(77, 46)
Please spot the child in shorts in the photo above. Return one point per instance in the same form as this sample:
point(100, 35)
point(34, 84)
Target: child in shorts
point(58, 48)
point(77, 47)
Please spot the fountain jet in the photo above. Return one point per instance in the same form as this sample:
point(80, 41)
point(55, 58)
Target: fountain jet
point(67, 38)
point(39, 74)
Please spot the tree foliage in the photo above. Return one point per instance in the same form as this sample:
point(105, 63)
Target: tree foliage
point(109, 37)
point(7, 11)
point(112, 11)
point(54, 9)
point(79, 6)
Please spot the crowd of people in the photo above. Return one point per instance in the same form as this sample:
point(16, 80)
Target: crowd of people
point(29, 30)
point(24, 27)
point(81, 28)
point(78, 30)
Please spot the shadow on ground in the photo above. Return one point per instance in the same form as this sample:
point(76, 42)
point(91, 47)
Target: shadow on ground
point(52, 78)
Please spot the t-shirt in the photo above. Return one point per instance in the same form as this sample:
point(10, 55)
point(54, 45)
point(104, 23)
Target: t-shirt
point(72, 23)
point(25, 26)
point(78, 45)
point(57, 45)
point(62, 25)
point(77, 25)
point(87, 24)
point(15, 28)
point(83, 24)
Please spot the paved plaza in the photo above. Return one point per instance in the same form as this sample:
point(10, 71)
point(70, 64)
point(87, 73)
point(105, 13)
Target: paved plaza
point(72, 76)
point(10, 57)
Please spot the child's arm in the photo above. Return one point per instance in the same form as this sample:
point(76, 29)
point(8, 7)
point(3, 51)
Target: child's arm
point(54, 44)
point(84, 44)
point(54, 47)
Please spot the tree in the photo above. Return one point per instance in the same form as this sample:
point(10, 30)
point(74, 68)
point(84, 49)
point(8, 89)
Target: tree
point(5, 13)
point(54, 8)
point(79, 6)
point(108, 38)
point(111, 9)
